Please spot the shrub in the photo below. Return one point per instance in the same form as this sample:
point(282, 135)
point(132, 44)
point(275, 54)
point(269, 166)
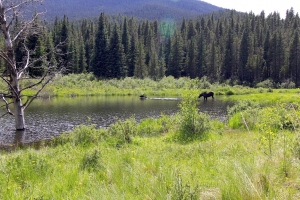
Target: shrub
point(288, 84)
point(91, 160)
point(192, 124)
point(229, 92)
point(266, 84)
point(122, 131)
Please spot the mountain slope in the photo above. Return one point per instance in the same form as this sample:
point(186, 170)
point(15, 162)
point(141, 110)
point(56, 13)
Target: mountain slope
point(145, 9)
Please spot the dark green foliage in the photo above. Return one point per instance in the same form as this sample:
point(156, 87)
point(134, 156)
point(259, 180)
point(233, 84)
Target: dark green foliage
point(91, 160)
point(116, 66)
point(100, 54)
point(224, 47)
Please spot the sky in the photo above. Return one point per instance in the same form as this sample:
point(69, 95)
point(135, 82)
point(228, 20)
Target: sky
point(256, 6)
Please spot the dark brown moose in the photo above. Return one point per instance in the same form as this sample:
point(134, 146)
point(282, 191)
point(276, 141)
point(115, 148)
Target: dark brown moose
point(206, 94)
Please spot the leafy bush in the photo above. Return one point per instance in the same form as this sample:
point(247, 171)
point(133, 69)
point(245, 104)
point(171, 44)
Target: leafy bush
point(288, 84)
point(266, 84)
point(192, 123)
point(122, 131)
point(91, 160)
point(229, 92)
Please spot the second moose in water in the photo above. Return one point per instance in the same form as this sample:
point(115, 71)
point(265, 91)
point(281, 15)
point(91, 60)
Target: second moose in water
point(206, 94)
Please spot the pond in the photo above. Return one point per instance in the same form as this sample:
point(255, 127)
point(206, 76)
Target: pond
point(47, 118)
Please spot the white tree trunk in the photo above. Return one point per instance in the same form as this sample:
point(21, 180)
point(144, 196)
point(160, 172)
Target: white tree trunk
point(19, 115)
point(13, 81)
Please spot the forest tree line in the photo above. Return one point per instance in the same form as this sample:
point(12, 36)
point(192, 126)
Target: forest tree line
point(237, 48)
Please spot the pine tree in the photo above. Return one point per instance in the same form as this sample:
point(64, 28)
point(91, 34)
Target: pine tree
point(192, 59)
point(99, 64)
point(116, 62)
point(152, 56)
point(227, 70)
point(132, 56)
point(202, 50)
point(244, 54)
point(126, 40)
point(191, 31)
point(140, 69)
point(294, 59)
point(176, 56)
point(161, 63)
point(82, 65)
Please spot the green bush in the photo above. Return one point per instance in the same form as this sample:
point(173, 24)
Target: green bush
point(122, 131)
point(91, 160)
point(193, 125)
point(266, 84)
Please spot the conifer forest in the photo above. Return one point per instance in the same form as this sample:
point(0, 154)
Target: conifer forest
point(227, 46)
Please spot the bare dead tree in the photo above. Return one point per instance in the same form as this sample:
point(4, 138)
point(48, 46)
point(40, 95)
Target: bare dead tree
point(13, 34)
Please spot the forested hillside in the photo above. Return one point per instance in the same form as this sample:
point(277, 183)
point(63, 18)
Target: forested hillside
point(144, 9)
point(242, 49)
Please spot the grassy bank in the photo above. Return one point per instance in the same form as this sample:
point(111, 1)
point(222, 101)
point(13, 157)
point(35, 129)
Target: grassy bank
point(88, 85)
point(254, 155)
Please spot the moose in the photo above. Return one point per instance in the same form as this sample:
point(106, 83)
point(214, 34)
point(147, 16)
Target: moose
point(143, 96)
point(205, 95)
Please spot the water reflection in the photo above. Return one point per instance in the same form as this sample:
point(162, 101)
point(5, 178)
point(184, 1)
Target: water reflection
point(47, 118)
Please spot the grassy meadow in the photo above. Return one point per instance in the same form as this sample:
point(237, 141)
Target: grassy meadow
point(254, 154)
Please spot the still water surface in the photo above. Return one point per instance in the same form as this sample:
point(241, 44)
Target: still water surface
point(47, 118)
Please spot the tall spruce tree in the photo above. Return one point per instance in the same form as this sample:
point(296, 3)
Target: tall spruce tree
point(244, 54)
point(176, 60)
point(294, 59)
point(100, 62)
point(140, 69)
point(192, 58)
point(116, 58)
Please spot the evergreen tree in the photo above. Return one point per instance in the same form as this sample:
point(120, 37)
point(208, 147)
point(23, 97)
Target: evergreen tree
point(132, 56)
point(244, 54)
point(140, 69)
point(191, 32)
point(176, 57)
point(126, 40)
point(227, 70)
point(267, 63)
point(192, 58)
point(100, 63)
point(161, 63)
point(116, 61)
point(153, 57)
point(294, 59)
point(277, 57)
point(202, 50)
point(82, 64)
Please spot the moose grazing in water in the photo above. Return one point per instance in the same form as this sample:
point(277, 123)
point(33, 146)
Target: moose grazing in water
point(205, 95)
